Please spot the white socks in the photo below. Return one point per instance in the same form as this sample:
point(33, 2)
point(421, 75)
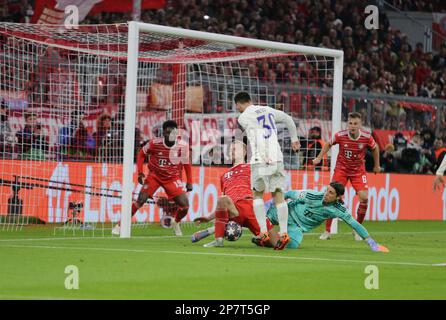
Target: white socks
point(282, 215)
point(259, 210)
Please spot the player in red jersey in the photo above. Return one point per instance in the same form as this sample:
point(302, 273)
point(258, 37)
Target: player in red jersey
point(350, 164)
point(167, 157)
point(236, 203)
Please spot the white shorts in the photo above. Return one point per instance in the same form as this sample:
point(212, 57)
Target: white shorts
point(267, 177)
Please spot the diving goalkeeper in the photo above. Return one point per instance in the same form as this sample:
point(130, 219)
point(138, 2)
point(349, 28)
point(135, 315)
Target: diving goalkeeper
point(309, 208)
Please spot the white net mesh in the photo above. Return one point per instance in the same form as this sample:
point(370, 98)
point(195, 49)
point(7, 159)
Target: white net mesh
point(63, 96)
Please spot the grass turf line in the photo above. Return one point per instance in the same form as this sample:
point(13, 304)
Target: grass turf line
point(151, 266)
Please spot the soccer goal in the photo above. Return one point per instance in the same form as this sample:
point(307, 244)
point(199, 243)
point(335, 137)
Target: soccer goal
point(78, 103)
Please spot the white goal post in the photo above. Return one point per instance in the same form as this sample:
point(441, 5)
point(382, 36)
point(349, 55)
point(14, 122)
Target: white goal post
point(137, 28)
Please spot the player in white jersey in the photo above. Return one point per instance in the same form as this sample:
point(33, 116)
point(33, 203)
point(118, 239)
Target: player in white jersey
point(267, 170)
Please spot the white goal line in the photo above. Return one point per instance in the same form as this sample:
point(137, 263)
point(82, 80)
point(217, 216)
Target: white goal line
point(108, 237)
point(237, 255)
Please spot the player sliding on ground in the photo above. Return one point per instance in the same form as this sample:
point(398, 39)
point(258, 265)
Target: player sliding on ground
point(236, 202)
point(267, 170)
point(350, 163)
point(167, 156)
point(309, 208)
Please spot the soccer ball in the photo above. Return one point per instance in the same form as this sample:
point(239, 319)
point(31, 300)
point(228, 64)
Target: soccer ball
point(166, 221)
point(233, 231)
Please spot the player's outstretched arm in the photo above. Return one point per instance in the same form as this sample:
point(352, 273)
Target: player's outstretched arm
point(139, 164)
point(376, 247)
point(376, 166)
point(359, 228)
point(321, 154)
point(188, 170)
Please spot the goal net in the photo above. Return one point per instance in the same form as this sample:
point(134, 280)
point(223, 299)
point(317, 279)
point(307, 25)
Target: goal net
point(78, 104)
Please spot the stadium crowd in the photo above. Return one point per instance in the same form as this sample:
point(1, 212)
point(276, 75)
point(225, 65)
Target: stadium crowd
point(419, 5)
point(379, 61)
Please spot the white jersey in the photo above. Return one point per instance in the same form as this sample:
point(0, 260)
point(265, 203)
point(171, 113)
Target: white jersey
point(259, 122)
point(442, 168)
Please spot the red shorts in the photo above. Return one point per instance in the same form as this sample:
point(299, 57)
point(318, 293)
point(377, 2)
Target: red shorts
point(359, 182)
point(172, 188)
point(247, 217)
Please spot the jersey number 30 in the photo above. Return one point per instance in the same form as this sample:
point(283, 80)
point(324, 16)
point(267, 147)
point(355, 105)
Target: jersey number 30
point(268, 127)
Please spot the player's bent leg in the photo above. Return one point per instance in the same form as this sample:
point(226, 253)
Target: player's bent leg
point(221, 220)
point(226, 203)
point(199, 235)
point(282, 211)
point(259, 212)
point(296, 237)
point(183, 208)
point(142, 198)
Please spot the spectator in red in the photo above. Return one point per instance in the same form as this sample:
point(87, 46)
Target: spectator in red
point(422, 71)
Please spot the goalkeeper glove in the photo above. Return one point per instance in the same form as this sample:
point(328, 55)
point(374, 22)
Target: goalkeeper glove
point(375, 246)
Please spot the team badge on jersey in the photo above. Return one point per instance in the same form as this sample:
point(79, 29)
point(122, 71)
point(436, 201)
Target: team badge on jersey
point(360, 146)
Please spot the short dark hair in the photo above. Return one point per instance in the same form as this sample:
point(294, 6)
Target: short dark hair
point(339, 188)
point(355, 115)
point(170, 124)
point(242, 97)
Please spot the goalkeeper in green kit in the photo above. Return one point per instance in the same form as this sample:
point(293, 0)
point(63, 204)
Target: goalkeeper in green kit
point(308, 209)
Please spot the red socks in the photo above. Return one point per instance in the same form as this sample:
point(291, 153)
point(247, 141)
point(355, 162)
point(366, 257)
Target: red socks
point(360, 214)
point(134, 209)
point(221, 219)
point(328, 225)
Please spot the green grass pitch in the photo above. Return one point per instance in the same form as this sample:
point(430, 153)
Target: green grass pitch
point(155, 265)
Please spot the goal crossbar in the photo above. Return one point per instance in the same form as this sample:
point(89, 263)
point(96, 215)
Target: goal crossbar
point(246, 42)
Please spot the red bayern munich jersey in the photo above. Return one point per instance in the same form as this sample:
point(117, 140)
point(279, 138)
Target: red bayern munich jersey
point(165, 162)
point(236, 182)
point(351, 157)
